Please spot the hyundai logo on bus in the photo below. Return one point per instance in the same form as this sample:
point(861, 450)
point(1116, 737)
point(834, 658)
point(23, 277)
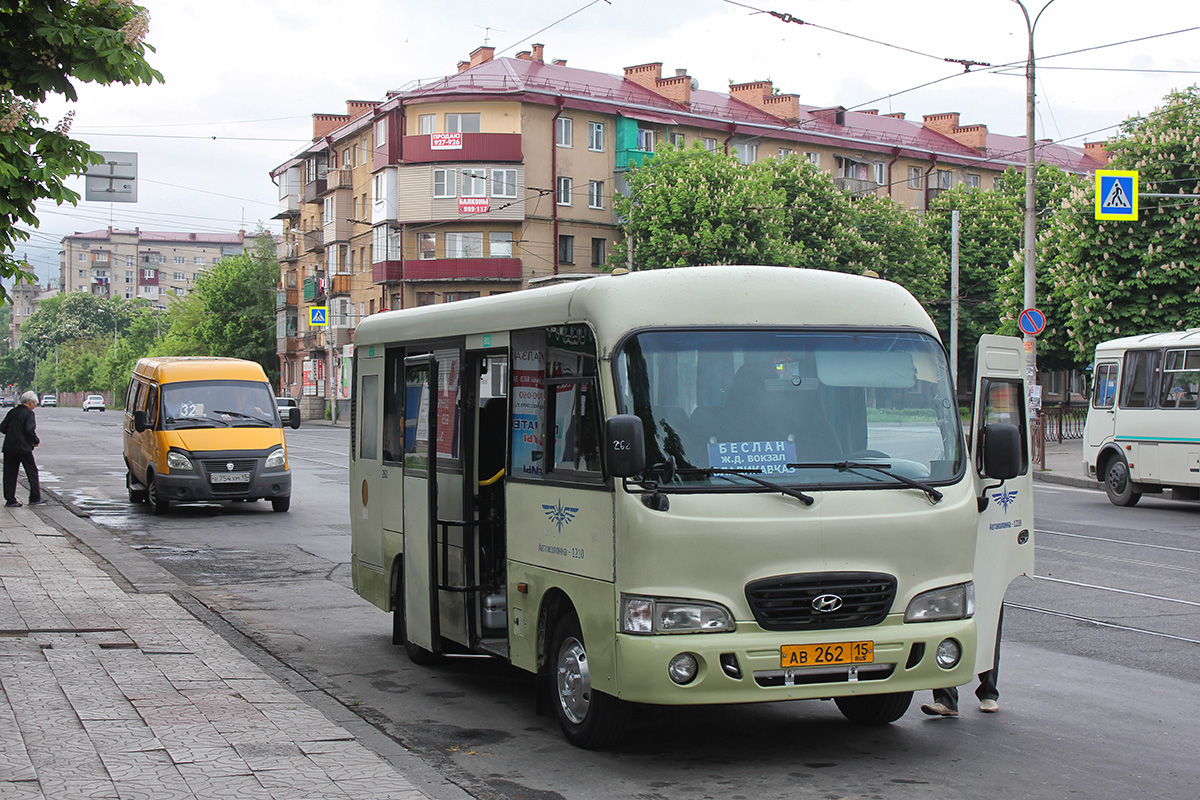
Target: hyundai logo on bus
point(1031, 321)
point(826, 603)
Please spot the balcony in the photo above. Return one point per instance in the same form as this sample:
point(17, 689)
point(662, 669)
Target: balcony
point(314, 289)
point(313, 190)
point(449, 269)
point(339, 179)
point(285, 298)
point(856, 187)
point(287, 251)
point(339, 284)
point(289, 206)
point(387, 272)
point(314, 241)
point(475, 147)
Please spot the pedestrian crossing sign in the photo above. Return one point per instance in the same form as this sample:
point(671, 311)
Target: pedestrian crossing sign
point(1116, 194)
point(317, 315)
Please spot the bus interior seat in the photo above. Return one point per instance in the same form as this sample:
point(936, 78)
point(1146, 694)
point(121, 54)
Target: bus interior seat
point(766, 409)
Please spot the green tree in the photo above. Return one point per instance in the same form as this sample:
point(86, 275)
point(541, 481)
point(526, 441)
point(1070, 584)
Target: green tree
point(45, 46)
point(1112, 279)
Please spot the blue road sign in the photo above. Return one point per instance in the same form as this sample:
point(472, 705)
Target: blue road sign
point(1031, 321)
point(317, 315)
point(1116, 194)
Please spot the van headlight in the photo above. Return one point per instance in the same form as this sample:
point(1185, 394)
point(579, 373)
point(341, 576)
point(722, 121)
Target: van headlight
point(276, 459)
point(647, 615)
point(949, 602)
point(178, 461)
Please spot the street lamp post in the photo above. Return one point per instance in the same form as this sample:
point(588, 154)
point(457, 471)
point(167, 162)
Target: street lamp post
point(1030, 297)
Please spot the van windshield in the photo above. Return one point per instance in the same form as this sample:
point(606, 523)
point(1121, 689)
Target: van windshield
point(797, 407)
point(218, 404)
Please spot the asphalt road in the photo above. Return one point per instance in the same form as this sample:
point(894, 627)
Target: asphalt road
point(1099, 674)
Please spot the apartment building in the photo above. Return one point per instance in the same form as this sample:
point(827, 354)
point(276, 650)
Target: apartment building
point(25, 298)
point(504, 173)
point(148, 264)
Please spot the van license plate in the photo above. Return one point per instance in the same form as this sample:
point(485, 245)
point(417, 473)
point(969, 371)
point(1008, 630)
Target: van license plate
point(229, 477)
point(816, 655)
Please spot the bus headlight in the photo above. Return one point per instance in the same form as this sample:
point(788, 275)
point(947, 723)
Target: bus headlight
point(646, 615)
point(276, 459)
point(949, 602)
point(178, 461)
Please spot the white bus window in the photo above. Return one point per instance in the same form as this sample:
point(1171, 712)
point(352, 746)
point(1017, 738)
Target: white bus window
point(1104, 393)
point(1181, 379)
point(447, 404)
point(368, 426)
point(393, 406)
point(1141, 370)
point(416, 417)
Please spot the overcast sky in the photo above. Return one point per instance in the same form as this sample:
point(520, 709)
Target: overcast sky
point(243, 77)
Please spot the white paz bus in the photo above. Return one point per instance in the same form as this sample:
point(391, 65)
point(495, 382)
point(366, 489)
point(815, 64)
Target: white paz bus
point(1142, 433)
point(686, 486)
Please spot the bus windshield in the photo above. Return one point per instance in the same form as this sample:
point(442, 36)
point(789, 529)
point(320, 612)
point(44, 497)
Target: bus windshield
point(218, 404)
point(797, 407)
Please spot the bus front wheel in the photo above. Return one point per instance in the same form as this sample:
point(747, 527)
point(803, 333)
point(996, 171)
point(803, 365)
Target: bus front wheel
point(874, 709)
point(1117, 484)
point(589, 718)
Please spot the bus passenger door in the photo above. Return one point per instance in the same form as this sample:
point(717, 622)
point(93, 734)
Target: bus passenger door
point(1102, 417)
point(420, 493)
point(1004, 538)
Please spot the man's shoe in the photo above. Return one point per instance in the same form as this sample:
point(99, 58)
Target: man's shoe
point(12, 504)
point(989, 706)
point(939, 710)
point(37, 502)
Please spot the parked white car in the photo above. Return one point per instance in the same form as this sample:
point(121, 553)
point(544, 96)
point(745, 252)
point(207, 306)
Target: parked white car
point(93, 402)
point(49, 400)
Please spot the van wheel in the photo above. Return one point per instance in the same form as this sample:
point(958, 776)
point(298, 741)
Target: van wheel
point(135, 495)
point(158, 503)
point(1117, 485)
point(416, 654)
point(588, 717)
point(280, 503)
point(874, 709)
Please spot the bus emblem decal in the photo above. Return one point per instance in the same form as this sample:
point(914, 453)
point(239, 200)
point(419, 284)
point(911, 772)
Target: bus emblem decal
point(559, 514)
point(826, 603)
point(1005, 498)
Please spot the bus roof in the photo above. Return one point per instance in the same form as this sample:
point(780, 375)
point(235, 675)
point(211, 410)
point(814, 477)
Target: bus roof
point(614, 304)
point(1190, 337)
point(173, 369)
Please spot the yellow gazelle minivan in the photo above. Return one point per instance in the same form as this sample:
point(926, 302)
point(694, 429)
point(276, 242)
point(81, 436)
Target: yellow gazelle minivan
point(202, 429)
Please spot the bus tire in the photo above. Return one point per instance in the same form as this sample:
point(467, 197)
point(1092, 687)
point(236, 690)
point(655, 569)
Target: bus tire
point(158, 504)
point(416, 654)
point(280, 504)
point(588, 717)
point(874, 709)
point(1120, 489)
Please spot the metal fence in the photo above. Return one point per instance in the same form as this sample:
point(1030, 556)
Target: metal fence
point(1056, 424)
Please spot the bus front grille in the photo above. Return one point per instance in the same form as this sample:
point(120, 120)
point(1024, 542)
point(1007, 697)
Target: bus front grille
point(820, 600)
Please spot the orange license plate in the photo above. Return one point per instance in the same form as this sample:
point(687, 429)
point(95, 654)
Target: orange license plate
point(834, 653)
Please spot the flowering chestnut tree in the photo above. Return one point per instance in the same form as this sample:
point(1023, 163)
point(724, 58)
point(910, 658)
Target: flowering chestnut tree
point(46, 46)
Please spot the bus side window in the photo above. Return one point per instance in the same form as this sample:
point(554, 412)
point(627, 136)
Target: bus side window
point(1181, 376)
point(1104, 395)
point(1003, 402)
point(393, 406)
point(1141, 370)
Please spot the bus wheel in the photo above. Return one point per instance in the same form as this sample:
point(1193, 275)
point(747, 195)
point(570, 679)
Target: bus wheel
point(589, 718)
point(280, 504)
point(874, 709)
point(1117, 484)
point(416, 654)
point(158, 503)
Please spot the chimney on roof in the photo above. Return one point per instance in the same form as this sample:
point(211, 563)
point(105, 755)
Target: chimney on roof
point(835, 115)
point(677, 89)
point(874, 112)
point(1096, 150)
point(325, 124)
point(972, 136)
point(524, 55)
point(896, 115)
point(463, 66)
point(761, 95)
point(538, 49)
point(481, 55)
point(942, 123)
point(559, 62)
point(359, 108)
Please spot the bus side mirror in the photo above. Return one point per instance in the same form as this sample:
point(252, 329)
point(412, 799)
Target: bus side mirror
point(140, 423)
point(1001, 443)
point(625, 445)
point(294, 417)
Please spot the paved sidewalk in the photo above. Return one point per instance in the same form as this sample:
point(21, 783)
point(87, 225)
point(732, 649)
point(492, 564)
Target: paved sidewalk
point(123, 695)
point(1064, 465)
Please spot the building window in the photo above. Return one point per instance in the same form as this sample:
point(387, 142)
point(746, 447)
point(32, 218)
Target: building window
point(597, 252)
point(101, 257)
point(462, 123)
point(504, 183)
point(813, 158)
point(464, 245)
point(676, 140)
point(500, 244)
point(427, 123)
point(474, 183)
point(880, 173)
point(451, 297)
point(916, 178)
point(645, 140)
point(180, 260)
point(426, 246)
point(784, 152)
point(850, 168)
point(83, 256)
point(329, 209)
point(710, 144)
point(972, 180)
point(595, 194)
point(746, 152)
point(381, 132)
point(945, 179)
point(596, 136)
point(566, 249)
point(198, 260)
point(564, 191)
point(563, 130)
point(443, 183)
point(426, 298)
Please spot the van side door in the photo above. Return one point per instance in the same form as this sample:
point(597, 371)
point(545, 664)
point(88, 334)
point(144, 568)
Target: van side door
point(1004, 541)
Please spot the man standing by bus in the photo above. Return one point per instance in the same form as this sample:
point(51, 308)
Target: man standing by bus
point(20, 437)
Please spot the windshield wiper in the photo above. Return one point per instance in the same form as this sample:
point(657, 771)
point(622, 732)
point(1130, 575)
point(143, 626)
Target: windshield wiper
point(883, 469)
point(749, 475)
point(251, 417)
point(198, 422)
